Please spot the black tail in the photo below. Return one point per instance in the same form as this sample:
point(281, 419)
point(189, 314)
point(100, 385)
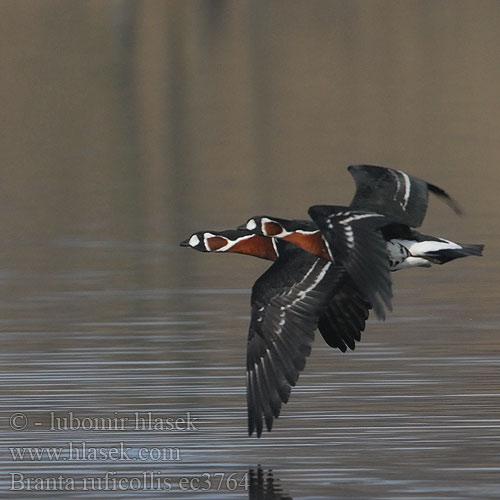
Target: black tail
point(472, 249)
point(445, 255)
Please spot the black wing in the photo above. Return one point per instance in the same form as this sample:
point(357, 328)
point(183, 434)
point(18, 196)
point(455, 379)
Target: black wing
point(287, 301)
point(345, 317)
point(354, 241)
point(394, 193)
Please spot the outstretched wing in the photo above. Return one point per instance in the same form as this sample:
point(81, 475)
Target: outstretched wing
point(345, 317)
point(354, 241)
point(287, 301)
point(394, 193)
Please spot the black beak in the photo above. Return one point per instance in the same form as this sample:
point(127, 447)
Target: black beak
point(243, 226)
point(184, 243)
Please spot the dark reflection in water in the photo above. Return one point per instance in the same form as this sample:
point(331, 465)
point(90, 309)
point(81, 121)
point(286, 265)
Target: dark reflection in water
point(129, 125)
point(263, 485)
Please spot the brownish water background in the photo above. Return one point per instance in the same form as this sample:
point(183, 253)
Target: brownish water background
point(128, 125)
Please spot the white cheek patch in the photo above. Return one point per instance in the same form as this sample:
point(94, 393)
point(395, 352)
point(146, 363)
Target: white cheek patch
point(251, 225)
point(194, 241)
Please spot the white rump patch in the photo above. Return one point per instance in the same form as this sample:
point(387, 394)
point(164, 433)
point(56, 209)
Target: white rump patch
point(420, 248)
point(403, 254)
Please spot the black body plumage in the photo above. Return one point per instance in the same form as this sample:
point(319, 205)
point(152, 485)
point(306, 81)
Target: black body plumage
point(353, 249)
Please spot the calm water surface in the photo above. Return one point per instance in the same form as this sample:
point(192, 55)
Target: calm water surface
point(131, 125)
